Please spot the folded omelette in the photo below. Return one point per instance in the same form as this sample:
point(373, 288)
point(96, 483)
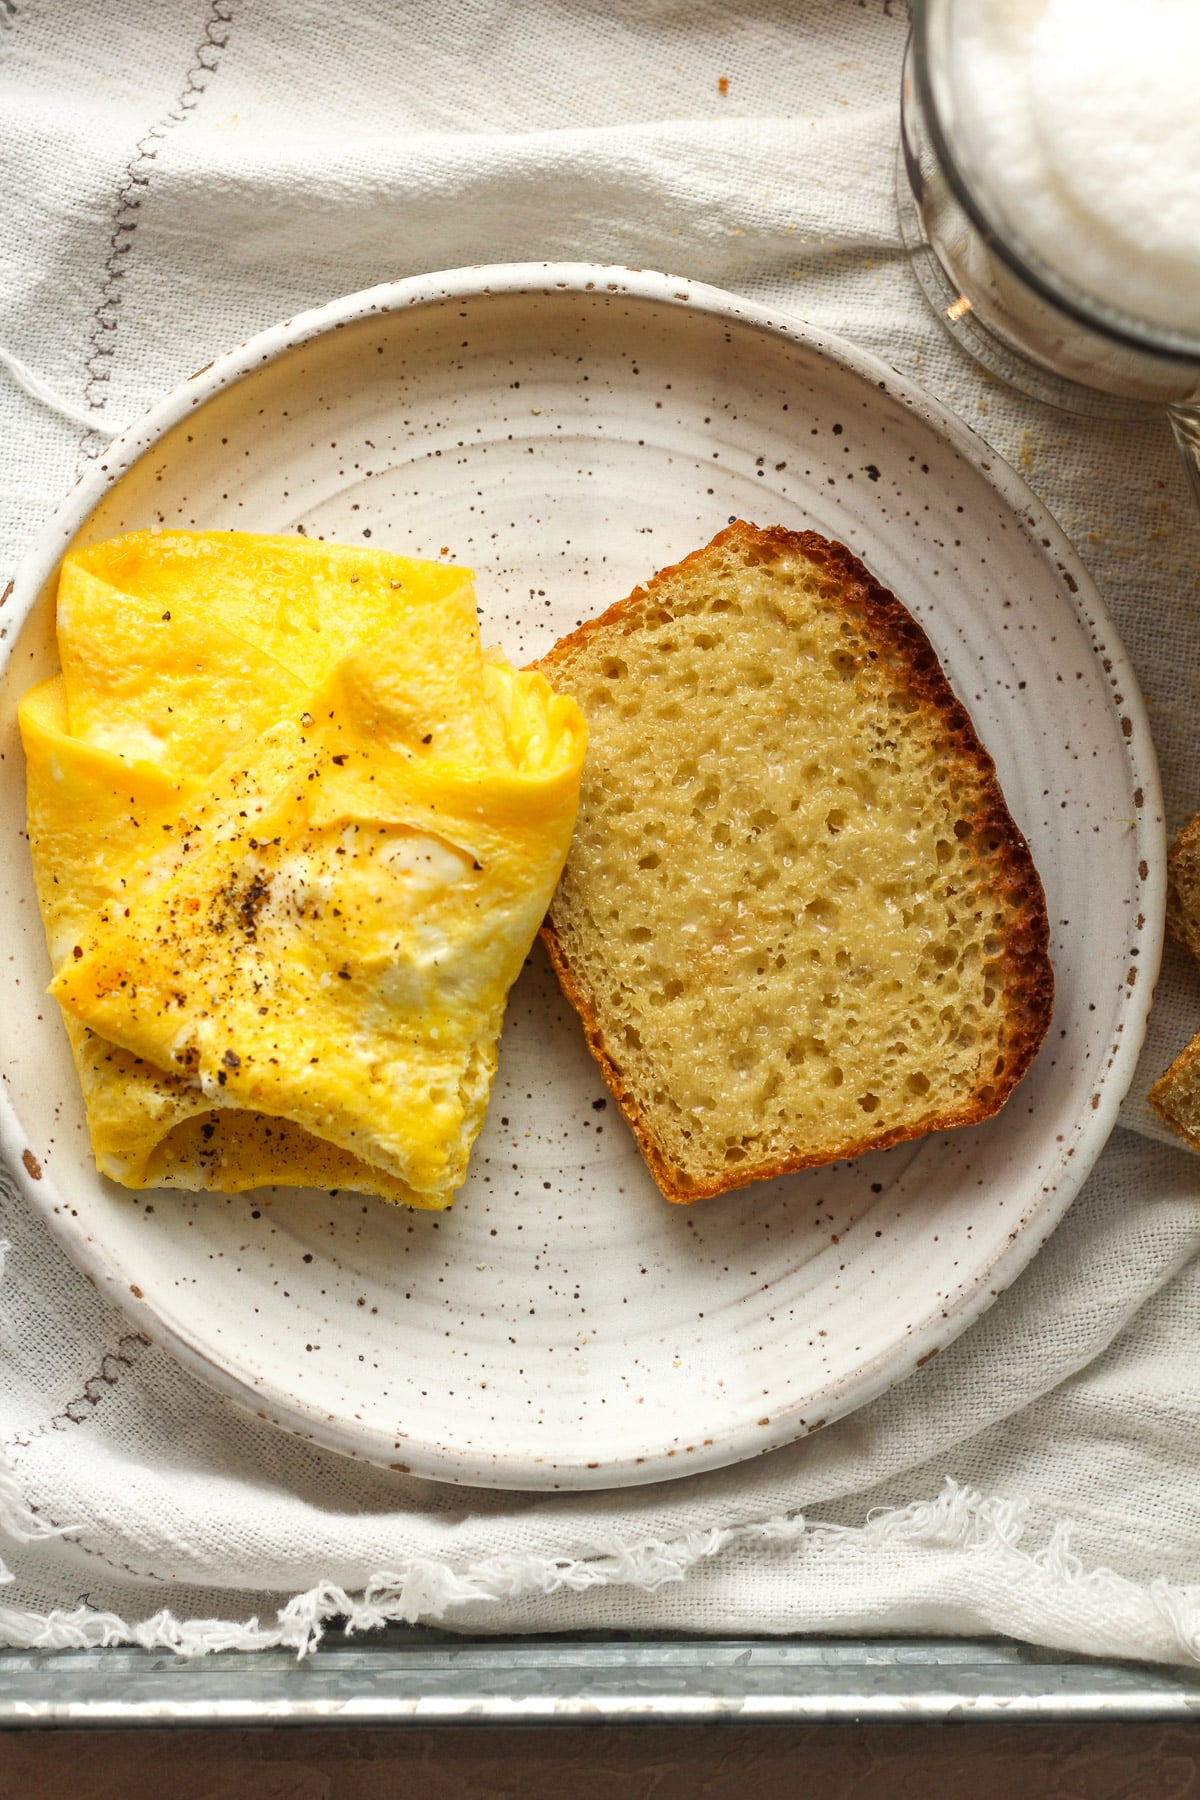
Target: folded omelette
point(293, 833)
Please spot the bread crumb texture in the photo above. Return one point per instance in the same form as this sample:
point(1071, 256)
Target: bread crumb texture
point(797, 918)
point(1183, 888)
point(1175, 1096)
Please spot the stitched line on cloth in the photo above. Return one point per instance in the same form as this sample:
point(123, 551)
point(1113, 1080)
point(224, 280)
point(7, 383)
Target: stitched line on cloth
point(35, 1522)
point(959, 1519)
point(126, 1356)
point(21, 1518)
point(17, 1517)
point(102, 341)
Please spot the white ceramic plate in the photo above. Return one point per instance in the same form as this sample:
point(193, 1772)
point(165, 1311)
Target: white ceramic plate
point(566, 431)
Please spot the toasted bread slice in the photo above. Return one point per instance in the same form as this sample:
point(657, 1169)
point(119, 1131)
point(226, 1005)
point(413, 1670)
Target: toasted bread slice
point(797, 919)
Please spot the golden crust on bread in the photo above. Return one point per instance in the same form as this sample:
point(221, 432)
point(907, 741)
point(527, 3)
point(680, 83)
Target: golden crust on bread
point(1175, 1096)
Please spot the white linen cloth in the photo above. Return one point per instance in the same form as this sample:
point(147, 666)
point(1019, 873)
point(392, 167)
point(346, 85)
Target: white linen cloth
point(180, 175)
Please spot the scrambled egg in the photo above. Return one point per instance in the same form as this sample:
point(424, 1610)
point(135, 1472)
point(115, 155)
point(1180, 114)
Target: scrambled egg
point(293, 832)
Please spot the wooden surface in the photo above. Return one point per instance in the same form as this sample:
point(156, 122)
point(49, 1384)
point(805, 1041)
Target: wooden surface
point(1109, 1762)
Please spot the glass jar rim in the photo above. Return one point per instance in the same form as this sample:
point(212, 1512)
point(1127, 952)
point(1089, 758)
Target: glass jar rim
point(1124, 328)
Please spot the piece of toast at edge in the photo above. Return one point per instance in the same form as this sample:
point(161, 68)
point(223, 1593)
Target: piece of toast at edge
point(1183, 887)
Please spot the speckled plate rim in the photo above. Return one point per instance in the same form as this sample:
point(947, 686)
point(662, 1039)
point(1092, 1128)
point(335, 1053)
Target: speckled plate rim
point(1066, 1175)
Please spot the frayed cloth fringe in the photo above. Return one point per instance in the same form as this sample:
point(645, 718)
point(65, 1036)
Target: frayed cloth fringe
point(38, 388)
point(429, 1592)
